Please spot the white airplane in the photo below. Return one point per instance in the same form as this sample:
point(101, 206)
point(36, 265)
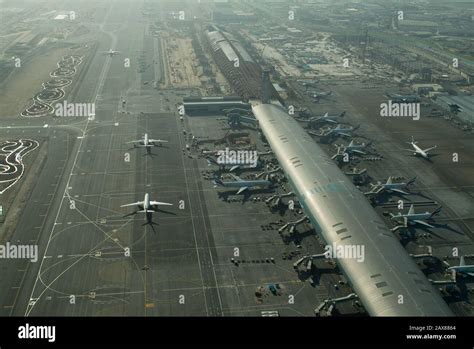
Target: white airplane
point(242, 184)
point(415, 218)
point(390, 186)
point(318, 95)
point(111, 52)
point(462, 268)
point(326, 118)
point(356, 172)
point(351, 148)
point(146, 142)
point(147, 206)
point(418, 151)
point(340, 130)
point(396, 98)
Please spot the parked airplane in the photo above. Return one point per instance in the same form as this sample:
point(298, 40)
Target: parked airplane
point(146, 142)
point(308, 83)
point(396, 98)
point(147, 206)
point(462, 268)
point(340, 130)
point(389, 186)
point(315, 94)
point(356, 172)
point(417, 151)
point(351, 148)
point(326, 118)
point(415, 218)
point(111, 52)
point(242, 184)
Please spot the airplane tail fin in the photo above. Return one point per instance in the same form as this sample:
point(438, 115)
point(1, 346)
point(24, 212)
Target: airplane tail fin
point(462, 262)
point(217, 181)
point(435, 212)
point(210, 160)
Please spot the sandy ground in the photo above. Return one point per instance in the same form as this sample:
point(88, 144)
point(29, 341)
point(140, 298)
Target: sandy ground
point(182, 62)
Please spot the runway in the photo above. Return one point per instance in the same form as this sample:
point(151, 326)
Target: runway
point(96, 260)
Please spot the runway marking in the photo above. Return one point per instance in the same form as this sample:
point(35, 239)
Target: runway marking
point(30, 306)
point(288, 282)
point(13, 165)
point(193, 225)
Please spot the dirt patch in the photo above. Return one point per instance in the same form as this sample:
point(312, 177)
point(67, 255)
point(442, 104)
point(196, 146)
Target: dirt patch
point(19, 88)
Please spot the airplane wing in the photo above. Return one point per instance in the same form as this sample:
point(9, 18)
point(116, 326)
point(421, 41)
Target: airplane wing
point(237, 178)
point(160, 203)
point(137, 141)
point(426, 150)
point(317, 134)
point(133, 204)
point(233, 168)
point(330, 120)
point(399, 191)
point(157, 141)
point(344, 134)
point(357, 151)
point(423, 223)
point(376, 189)
point(410, 150)
point(241, 190)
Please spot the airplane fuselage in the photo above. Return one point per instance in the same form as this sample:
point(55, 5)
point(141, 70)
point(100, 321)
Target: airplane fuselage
point(415, 216)
point(145, 140)
point(394, 186)
point(146, 202)
point(463, 269)
point(354, 148)
point(419, 151)
point(240, 184)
